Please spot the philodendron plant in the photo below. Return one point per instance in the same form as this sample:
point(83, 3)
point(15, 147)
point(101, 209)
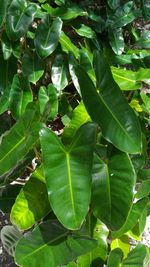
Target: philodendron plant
point(74, 120)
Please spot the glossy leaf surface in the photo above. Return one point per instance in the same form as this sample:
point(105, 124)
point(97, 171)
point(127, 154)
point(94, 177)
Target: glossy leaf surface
point(108, 107)
point(47, 36)
point(51, 248)
point(112, 190)
point(116, 40)
point(19, 17)
point(69, 186)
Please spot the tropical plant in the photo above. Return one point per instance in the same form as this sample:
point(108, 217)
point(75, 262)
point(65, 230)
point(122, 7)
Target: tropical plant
point(75, 114)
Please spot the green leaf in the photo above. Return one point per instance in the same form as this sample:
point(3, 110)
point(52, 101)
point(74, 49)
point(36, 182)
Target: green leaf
point(143, 75)
point(79, 117)
point(20, 96)
point(32, 203)
point(84, 31)
point(67, 46)
point(60, 73)
point(126, 79)
point(115, 258)
point(113, 3)
point(144, 40)
point(4, 100)
point(32, 66)
point(7, 72)
point(122, 16)
point(19, 17)
point(116, 40)
point(69, 186)
point(53, 248)
point(143, 190)
point(135, 257)
point(146, 9)
point(9, 237)
point(108, 107)
point(115, 184)
point(123, 243)
point(19, 140)
point(47, 36)
point(132, 218)
point(8, 195)
point(3, 6)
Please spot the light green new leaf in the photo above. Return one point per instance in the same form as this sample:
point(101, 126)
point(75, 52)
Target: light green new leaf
point(47, 36)
point(79, 117)
point(68, 174)
point(108, 107)
point(116, 40)
point(60, 73)
point(20, 95)
point(32, 203)
point(19, 17)
point(19, 140)
point(126, 79)
point(32, 66)
point(53, 248)
point(143, 74)
point(112, 190)
point(67, 46)
point(132, 218)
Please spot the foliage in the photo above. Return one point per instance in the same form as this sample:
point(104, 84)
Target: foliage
point(75, 114)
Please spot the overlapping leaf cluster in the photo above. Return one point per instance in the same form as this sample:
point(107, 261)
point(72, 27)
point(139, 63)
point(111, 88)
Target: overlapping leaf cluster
point(75, 113)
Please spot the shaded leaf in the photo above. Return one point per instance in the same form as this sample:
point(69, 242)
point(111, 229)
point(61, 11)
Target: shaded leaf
point(51, 248)
point(116, 40)
point(8, 195)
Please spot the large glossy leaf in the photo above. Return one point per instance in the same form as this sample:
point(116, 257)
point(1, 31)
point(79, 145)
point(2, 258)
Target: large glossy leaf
point(3, 6)
point(108, 107)
point(53, 248)
point(122, 16)
point(112, 190)
point(19, 140)
point(47, 36)
point(132, 218)
point(19, 17)
point(126, 79)
point(67, 45)
point(20, 95)
point(84, 31)
point(79, 117)
point(116, 40)
point(32, 66)
point(59, 73)
point(32, 203)
point(8, 195)
point(68, 174)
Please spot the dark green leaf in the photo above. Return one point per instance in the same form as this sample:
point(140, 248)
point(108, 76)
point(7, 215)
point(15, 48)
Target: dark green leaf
point(132, 218)
point(144, 40)
point(19, 140)
point(19, 17)
point(3, 6)
point(115, 258)
point(47, 36)
point(108, 107)
point(53, 248)
point(8, 195)
point(20, 95)
point(113, 3)
point(113, 188)
point(146, 9)
point(143, 190)
point(69, 185)
point(32, 66)
point(135, 257)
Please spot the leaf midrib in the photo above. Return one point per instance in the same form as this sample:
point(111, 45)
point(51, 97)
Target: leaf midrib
point(13, 148)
